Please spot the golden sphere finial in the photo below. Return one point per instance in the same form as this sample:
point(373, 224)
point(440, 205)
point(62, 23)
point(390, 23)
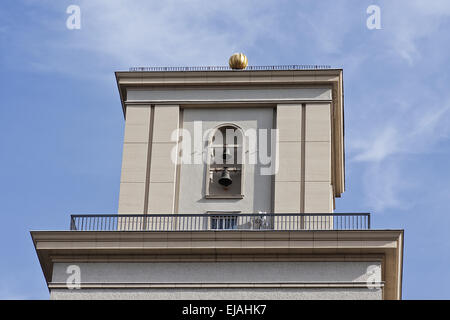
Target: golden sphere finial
point(238, 61)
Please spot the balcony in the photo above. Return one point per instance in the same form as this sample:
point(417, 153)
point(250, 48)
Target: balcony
point(220, 222)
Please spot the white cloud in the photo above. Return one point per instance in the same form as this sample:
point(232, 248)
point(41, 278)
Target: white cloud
point(408, 23)
point(385, 184)
point(130, 33)
point(386, 146)
point(409, 131)
point(385, 143)
point(328, 24)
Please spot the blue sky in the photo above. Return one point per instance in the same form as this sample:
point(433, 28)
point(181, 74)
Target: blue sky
point(62, 124)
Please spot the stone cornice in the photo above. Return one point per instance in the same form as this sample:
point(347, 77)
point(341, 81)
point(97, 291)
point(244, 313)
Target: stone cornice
point(98, 246)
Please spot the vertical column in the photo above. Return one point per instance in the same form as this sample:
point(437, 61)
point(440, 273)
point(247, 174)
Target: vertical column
point(318, 189)
point(288, 185)
point(134, 160)
point(161, 188)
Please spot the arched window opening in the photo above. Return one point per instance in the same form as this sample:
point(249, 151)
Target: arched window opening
point(225, 163)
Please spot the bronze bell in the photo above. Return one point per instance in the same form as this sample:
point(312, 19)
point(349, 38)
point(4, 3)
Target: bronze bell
point(225, 178)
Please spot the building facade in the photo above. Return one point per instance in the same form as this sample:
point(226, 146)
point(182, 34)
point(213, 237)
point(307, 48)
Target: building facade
point(228, 189)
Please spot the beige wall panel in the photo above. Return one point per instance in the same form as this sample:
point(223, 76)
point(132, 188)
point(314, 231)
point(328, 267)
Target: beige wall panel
point(289, 161)
point(161, 197)
point(131, 198)
point(318, 123)
point(137, 124)
point(134, 162)
point(162, 167)
point(317, 161)
point(287, 197)
point(161, 192)
point(287, 192)
point(289, 119)
point(166, 121)
point(318, 190)
point(317, 197)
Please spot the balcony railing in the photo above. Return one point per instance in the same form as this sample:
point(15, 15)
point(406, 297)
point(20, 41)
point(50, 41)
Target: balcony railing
point(226, 68)
point(220, 222)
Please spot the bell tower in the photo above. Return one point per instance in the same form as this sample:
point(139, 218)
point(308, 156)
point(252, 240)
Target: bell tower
point(228, 190)
point(285, 132)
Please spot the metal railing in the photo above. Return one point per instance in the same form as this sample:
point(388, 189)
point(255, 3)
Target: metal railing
point(226, 68)
point(220, 222)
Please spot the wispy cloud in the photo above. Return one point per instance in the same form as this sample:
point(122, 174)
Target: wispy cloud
point(409, 23)
point(385, 185)
point(386, 145)
point(123, 33)
point(403, 133)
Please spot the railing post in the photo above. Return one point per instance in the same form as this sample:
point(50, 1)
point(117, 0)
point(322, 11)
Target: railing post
point(72, 223)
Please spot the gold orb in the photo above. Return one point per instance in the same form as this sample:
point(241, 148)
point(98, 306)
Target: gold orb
point(238, 61)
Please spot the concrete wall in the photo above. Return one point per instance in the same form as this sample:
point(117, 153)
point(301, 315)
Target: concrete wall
point(221, 294)
point(228, 280)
